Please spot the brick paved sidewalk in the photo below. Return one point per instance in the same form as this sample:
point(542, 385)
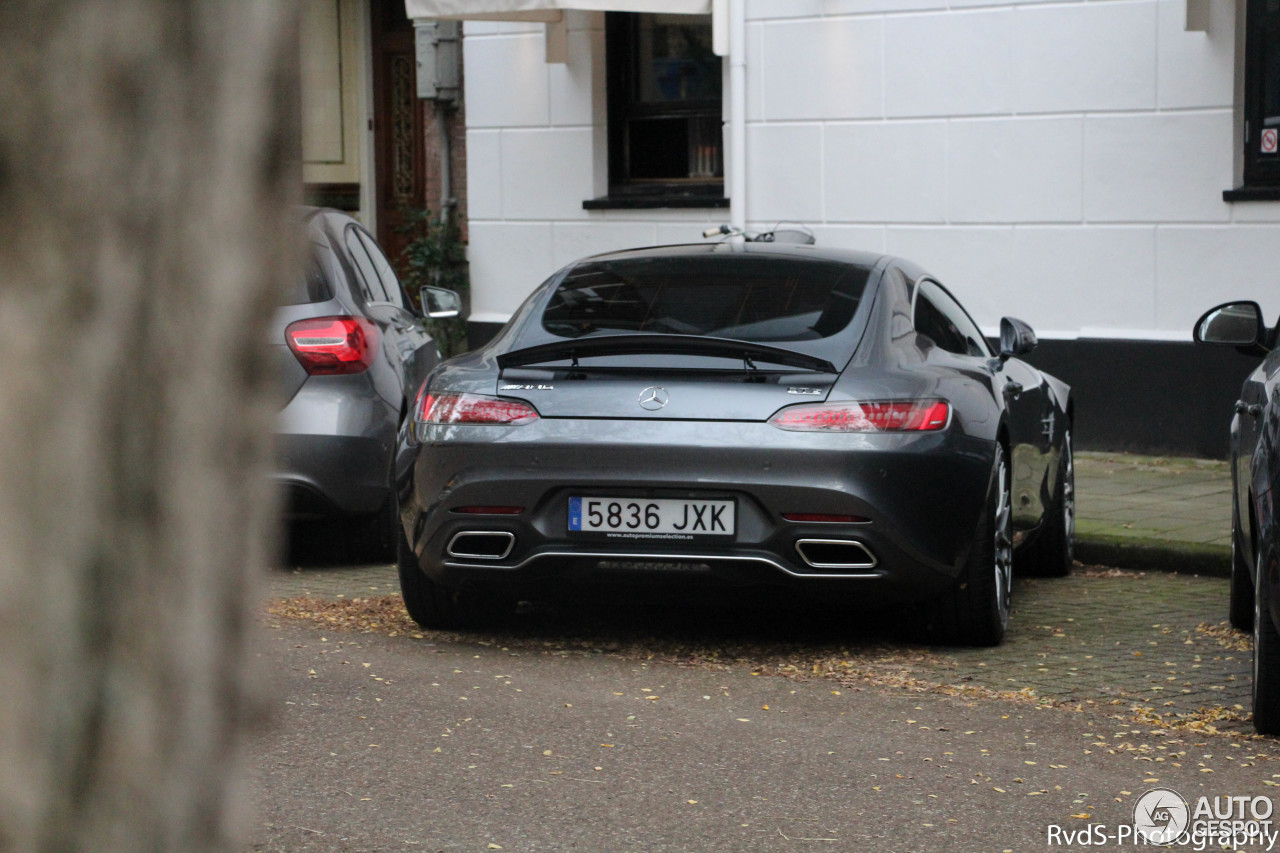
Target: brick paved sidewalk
point(1159, 513)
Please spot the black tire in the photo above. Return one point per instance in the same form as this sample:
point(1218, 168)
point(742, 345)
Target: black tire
point(438, 608)
point(977, 613)
point(1052, 553)
point(1240, 603)
point(374, 536)
point(1266, 663)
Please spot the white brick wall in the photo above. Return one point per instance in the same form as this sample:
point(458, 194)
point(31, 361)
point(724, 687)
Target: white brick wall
point(1058, 160)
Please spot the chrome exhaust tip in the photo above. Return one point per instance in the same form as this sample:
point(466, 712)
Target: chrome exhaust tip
point(835, 554)
point(481, 544)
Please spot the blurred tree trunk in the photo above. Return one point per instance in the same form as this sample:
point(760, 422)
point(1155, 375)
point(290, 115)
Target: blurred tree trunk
point(147, 163)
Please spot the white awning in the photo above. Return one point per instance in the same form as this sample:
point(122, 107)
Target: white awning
point(551, 13)
point(544, 10)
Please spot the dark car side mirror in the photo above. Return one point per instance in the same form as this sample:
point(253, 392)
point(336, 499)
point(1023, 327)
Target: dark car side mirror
point(1016, 338)
point(1235, 324)
point(439, 303)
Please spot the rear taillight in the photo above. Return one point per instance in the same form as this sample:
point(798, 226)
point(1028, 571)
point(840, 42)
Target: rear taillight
point(333, 345)
point(472, 409)
point(865, 416)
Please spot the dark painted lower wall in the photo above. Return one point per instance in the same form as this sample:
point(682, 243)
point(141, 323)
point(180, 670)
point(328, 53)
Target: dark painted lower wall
point(1149, 396)
point(1153, 397)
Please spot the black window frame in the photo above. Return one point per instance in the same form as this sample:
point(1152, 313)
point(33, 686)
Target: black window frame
point(622, 31)
point(1261, 172)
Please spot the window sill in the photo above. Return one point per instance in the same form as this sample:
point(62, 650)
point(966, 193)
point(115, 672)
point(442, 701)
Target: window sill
point(649, 202)
point(1252, 194)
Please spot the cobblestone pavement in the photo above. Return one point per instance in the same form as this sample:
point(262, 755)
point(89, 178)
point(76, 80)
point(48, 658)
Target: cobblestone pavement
point(1134, 639)
point(333, 581)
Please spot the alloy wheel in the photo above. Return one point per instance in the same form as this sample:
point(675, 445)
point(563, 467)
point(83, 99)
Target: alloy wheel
point(1003, 550)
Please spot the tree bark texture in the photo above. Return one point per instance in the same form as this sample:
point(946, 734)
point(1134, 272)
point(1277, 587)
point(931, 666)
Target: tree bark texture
point(148, 161)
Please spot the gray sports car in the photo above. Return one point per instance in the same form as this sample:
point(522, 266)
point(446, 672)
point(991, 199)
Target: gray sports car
point(738, 415)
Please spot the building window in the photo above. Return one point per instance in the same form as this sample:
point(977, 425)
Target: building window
point(1262, 94)
point(666, 145)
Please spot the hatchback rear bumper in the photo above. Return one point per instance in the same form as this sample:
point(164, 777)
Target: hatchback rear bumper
point(333, 446)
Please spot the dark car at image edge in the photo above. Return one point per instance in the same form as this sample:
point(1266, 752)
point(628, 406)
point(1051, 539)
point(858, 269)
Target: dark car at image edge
point(797, 421)
point(1254, 602)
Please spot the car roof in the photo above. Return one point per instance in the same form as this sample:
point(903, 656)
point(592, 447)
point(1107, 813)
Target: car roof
point(794, 251)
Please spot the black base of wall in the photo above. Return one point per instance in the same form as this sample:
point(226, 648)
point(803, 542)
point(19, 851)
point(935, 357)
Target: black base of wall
point(1163, 398)
point(1156, 397)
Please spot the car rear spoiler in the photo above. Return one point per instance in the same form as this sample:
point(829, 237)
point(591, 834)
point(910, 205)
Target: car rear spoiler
point(653, 344)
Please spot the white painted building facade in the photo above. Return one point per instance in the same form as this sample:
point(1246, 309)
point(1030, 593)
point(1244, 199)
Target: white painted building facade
point(1063, 162)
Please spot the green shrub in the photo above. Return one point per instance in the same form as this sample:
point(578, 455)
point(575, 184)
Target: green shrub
point(435, 255)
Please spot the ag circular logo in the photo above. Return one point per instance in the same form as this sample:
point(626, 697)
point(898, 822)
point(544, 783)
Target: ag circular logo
point(653, 398)
point(1160, 816)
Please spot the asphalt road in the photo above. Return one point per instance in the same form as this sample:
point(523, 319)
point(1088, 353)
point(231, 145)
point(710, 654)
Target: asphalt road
point(463, 744)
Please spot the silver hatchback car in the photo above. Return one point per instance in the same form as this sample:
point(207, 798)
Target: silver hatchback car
point(351, 353)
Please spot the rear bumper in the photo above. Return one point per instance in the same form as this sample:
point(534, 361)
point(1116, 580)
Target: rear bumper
point(333, 447)
point(921, 496)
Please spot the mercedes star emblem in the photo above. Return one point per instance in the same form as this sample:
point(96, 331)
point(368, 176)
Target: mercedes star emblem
point(653, 398)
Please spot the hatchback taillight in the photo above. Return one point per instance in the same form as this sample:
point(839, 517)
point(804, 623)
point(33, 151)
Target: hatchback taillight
point(865, 416)
point(472, 409)
point(333, 345)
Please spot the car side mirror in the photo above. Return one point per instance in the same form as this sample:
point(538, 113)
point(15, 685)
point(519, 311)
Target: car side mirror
point(439, 303)
point(1235, 324)
point(1016, 338)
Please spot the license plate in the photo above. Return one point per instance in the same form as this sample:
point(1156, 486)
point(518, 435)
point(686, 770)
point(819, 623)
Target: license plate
point(652, 518)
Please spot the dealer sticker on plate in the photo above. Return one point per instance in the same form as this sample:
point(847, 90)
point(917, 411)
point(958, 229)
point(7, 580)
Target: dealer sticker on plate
point(652, 518)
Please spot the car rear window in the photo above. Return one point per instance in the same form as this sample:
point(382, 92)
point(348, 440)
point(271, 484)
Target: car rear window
point(311, 286)
point(750, 298)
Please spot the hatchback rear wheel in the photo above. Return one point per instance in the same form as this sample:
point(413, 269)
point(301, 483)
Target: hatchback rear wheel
point(375, 535)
